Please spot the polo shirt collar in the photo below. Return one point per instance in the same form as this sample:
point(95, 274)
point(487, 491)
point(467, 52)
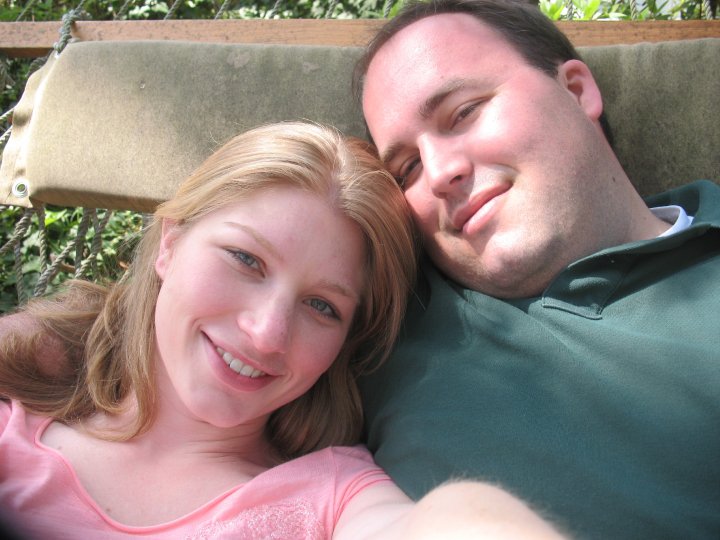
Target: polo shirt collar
point(585, 287)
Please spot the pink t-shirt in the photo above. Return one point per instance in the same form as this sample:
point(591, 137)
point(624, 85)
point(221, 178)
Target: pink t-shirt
point(301, 499)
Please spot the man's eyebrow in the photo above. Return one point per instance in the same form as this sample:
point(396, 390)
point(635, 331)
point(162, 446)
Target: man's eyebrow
point(431, 104)
point(389, 154)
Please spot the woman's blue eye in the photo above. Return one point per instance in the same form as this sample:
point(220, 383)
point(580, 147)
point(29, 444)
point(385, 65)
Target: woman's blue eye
point(323, 307)
point(246, 259)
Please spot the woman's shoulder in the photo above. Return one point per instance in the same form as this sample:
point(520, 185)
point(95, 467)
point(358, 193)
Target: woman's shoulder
point(336, 468)
point(356, 458)
point(16, 421)
point(358, 452)
point(307, 493)
point(333, 461)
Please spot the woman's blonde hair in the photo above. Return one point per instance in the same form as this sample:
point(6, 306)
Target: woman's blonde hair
point(118, 346)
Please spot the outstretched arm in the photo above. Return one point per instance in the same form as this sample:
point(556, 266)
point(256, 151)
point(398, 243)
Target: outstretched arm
point(457, 510)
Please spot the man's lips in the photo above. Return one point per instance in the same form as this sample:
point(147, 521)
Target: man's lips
point(475, 204)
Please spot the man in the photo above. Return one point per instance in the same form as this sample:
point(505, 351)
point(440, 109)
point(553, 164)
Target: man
point(566, 343)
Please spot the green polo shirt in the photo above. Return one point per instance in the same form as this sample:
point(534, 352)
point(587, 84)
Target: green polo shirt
point(598, 402)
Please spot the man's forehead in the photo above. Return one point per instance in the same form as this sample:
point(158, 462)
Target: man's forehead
point(426, 65)
point(426, 60)
point(438, 28)
point(440, 45)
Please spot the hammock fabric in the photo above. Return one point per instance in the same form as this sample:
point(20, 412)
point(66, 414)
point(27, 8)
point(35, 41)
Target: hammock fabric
point(117, 125)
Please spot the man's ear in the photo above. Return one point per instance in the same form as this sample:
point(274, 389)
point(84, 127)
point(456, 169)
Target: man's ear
point(168, 235)
point(577, 78)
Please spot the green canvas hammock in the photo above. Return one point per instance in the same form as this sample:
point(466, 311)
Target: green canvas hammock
point(117, 125)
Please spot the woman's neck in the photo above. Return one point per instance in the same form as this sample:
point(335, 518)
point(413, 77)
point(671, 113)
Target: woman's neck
point(173, 433)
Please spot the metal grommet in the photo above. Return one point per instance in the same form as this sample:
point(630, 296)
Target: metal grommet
point(20, 189)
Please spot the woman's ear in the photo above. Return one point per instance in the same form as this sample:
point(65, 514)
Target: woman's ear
point(577, 78)
point(168, 235)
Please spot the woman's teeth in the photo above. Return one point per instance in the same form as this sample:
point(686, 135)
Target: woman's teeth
point(238, 367)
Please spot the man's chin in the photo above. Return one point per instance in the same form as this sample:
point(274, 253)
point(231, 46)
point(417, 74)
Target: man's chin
point(508, 279)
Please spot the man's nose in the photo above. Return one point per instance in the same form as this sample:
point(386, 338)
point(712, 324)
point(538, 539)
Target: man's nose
point(445, 166)
point(268, 324)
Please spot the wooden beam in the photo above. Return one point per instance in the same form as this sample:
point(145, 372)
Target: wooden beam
point(590, 33)
point(26, 39)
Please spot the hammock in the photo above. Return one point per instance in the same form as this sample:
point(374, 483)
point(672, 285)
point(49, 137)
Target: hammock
point(151, 115)
point(77, 258)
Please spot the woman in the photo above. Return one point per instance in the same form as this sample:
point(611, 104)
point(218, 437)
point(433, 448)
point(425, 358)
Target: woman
point(209, 393)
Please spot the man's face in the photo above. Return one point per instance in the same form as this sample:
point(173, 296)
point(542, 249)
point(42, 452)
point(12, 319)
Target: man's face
point(496, 155)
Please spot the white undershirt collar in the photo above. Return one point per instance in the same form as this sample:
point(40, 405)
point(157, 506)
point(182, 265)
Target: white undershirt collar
point(675, 216)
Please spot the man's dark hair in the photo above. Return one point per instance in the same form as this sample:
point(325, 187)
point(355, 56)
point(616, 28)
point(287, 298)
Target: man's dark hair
point(521, 23)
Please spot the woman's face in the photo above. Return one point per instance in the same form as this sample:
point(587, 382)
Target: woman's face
point(256, 301)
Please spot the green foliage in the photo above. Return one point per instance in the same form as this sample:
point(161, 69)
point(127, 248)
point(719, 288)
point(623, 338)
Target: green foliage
point(118, 240)
point(590, 10)
point(53, 10)
point(554, 9)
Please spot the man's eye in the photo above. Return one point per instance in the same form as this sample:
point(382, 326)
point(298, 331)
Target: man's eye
point(408, 173)
point(466, 111)
point(323, 308)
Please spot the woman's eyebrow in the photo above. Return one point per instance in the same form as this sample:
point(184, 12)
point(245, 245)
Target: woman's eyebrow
point(341, 289)
point(259, 238)
point(264, 242)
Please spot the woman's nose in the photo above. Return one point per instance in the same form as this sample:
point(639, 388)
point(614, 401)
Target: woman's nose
point(268, 325)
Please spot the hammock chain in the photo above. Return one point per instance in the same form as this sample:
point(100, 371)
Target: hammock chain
point(6, 134)
point(68, 19)
point(274, 9)
point(173, 9)
point(19, 285)
point(42, 232)
point(388, 7)
point(90, 262)
point(83, 262)
point(331, 9)
point(707, 8)
point(18, 234)
point(223, 8)
point(15, 243)
point(634, 12)
point(24, 12)
point(123, 10)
